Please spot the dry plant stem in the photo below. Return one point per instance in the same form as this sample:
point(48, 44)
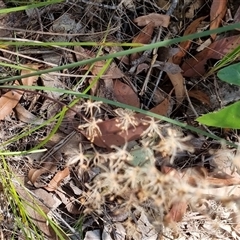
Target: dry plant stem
point(73, 231)
point(148, 76)
point(39, 19)
point(169, 12)
point(19, 30)
point(27, 57)
point(57, 147)
point(173, 6)
point(160, 73)
point(99, 4)
point(26, 40)
point(155, 88)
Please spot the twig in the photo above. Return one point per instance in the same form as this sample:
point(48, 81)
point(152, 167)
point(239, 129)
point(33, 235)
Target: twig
point(169, 12)
point(172, 7)
point(148, 75)
point(114, 7)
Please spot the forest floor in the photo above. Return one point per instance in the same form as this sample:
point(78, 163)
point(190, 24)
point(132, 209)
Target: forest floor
point(94, 166)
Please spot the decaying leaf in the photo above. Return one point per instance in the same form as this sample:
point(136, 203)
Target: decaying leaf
point(145, 34)
point(9, 100)
point(178, 84)
point(184, 46)
point(25, 116)
point(143, 37)
point(200, 96)
point(178, 207)
point(34, 174)
point(218, 10)
point(113, 72)
point(124, 94)
point(53, 81)
point(166, 52)
point(142, 67)
point(55, 182)
point(111, 134)
point(157, 19)
point(195, 67)
point(162, 108)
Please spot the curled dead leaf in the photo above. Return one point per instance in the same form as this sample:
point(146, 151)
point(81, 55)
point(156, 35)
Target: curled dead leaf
point(34, 174)
point(55, 182)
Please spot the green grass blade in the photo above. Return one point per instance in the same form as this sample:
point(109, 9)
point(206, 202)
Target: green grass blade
point(121, 105)
point(127, 52)
point(34, 5)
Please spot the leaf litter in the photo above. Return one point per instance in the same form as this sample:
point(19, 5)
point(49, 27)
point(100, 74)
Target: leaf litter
point(129, 175)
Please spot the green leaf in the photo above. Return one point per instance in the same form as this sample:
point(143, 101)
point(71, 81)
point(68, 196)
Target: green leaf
point(228, 117)
point(230, 74)
point(141, 156)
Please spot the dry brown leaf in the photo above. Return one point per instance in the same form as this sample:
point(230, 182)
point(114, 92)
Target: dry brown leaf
point(112, 134)
point(145, 34)
point(25, 116)
point(142, 67)
point(83, 54)
point(178, 84)
point(218, 10)
point(143, 37)
point(195, 67)
point(157, 19)
point(162, 108)
point(29, 80)
point(184, 46)
point(10, 99)
point(55, 182)
point(124, 94)
point(199, 95)
point(34, 173)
